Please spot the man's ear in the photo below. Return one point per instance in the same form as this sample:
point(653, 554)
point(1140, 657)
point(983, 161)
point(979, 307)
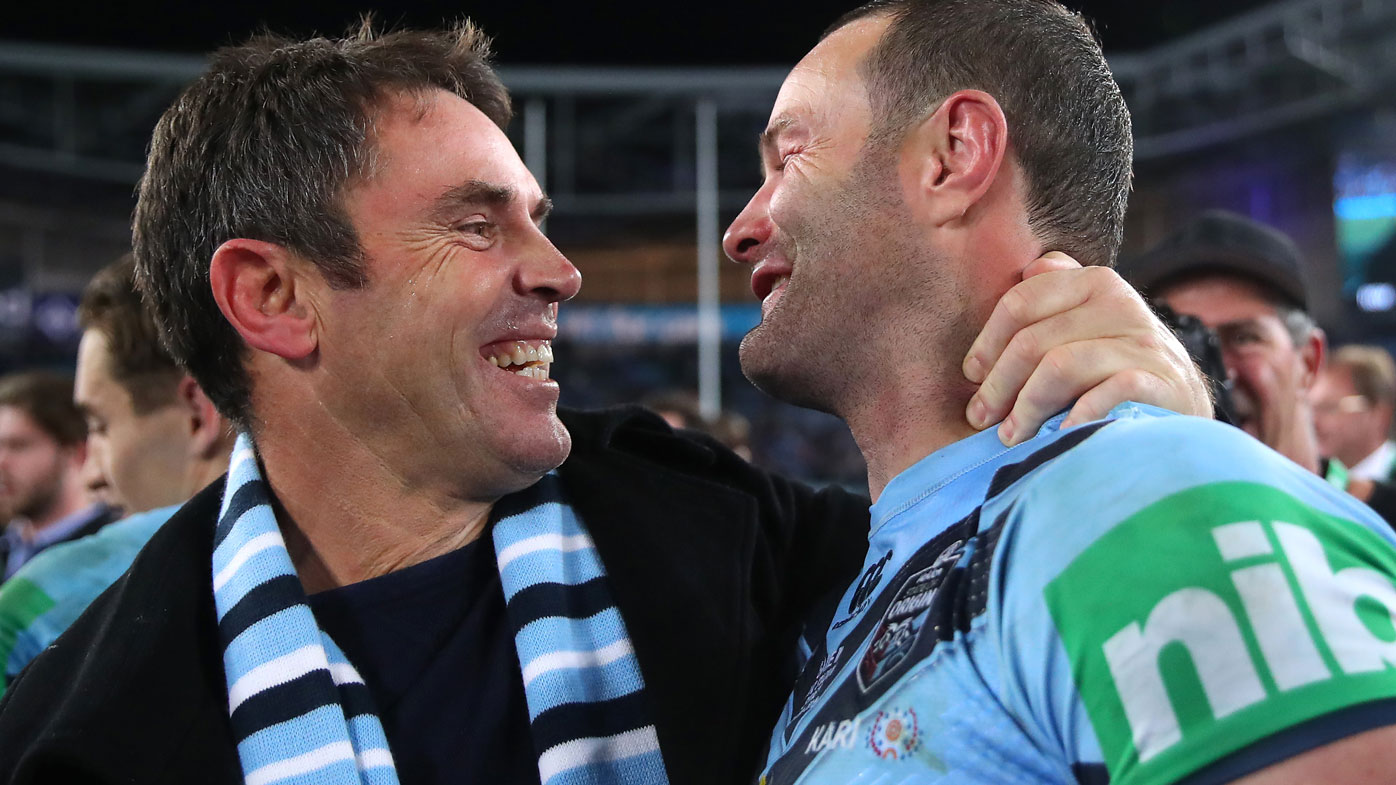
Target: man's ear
point(210, 435)
point(263, 293)
point(1314, 353)
point(956, 154)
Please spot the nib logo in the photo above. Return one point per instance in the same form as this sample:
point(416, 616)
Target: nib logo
point(1222, 631)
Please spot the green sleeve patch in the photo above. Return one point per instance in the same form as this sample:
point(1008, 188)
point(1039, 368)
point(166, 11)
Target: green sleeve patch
point(21, 602)
point(1220, 616)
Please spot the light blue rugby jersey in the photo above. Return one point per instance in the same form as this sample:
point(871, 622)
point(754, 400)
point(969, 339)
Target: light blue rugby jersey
point(1147, 599)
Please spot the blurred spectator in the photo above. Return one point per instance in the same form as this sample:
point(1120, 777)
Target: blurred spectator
point(680, 408)
point(1246, 281)
point(154, 440)
point(733, 430)
point(154, 437)
point(42, 450)
point(1353, 404)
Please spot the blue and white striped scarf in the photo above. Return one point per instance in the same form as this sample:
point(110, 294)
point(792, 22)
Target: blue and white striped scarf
point(302, 714)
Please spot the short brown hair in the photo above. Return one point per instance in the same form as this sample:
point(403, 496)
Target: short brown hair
point(47, 398)
point(263, 146)
point(1068, 125)
point(112, 306)
point(1373, 373)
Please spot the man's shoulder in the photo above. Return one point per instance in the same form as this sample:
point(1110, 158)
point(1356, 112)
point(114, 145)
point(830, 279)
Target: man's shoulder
point(1140, 452)
point(1143, 482)
point(115, 545)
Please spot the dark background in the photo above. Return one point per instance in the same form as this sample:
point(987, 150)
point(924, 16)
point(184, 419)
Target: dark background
point(614, 33)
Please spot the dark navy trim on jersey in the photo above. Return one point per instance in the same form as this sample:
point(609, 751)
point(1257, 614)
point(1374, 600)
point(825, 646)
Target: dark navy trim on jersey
point(1297, 740)
point(1014, 472)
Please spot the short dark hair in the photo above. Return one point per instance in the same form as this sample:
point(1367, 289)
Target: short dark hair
point(263, 145)
point(112, 306)
point(1068, 125)
point(47, 398)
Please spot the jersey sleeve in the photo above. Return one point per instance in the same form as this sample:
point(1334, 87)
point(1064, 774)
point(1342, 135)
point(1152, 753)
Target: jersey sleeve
point(1176, 603)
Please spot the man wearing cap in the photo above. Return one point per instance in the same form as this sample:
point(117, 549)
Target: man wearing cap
point(1246, 281)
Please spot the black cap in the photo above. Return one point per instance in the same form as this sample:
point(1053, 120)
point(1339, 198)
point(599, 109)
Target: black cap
point(1222, 241)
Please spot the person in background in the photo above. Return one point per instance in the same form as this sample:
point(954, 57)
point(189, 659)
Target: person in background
point(1353, 404)
point(1118, 597)
point(680, 409)
point(154, 439)
point(1247, 282)
point(43, 446)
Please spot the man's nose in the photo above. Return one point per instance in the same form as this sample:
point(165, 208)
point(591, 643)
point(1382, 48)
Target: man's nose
point(94, 479)
point(549, 275)
point(748, 235)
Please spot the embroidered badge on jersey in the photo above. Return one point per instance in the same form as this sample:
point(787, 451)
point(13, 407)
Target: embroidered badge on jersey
point(923, 604)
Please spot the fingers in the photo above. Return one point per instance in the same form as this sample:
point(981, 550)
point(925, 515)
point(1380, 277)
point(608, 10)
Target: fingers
point(1030, 347)
point(1050, 262)
point(1099, 375)
point(1045, 294)
point(1028, 358)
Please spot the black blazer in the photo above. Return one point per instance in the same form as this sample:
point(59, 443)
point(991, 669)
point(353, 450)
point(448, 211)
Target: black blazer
point(713, 564)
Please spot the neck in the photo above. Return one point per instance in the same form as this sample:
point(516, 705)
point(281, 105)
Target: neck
point(917, 407)
point(347, 514)
point(917, 412)
point(1300, 444)
point(204, 470)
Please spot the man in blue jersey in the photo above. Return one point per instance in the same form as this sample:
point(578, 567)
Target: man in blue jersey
point(1140, 598)
point(153, 440)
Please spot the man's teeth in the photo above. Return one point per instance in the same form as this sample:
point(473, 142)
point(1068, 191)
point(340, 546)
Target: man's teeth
point(525, 360)
point(778, 283)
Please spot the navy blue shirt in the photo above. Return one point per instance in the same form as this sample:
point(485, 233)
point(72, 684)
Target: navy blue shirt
point(434, 647)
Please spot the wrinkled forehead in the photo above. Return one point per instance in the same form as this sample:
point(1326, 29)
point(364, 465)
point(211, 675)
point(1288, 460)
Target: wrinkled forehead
point(829, 75)
point(439, 139)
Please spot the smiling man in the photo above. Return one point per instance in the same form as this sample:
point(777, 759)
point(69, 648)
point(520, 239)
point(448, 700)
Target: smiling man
point(418, 569)
point(1143, 598)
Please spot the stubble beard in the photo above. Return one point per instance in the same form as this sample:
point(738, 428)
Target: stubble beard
point(812, 348)
point(866, 294)
point(39, 502)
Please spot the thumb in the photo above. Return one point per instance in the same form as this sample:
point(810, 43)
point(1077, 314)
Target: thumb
point(1051, 261)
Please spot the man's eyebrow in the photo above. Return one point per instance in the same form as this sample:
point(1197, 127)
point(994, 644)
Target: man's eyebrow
point(481, 192)
point(474, 192)
point(767, 139)
point(541, 210)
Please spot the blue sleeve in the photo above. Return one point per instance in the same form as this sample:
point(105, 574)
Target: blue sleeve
point(1174, 602)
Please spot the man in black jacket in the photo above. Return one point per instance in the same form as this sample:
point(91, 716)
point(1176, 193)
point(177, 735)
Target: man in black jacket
point(342, 247)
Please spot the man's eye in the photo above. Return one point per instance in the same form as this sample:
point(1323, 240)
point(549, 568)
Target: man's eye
point(479, 235)
point(785, 159)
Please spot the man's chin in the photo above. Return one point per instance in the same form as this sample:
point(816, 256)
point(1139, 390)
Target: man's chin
point(782, 376)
